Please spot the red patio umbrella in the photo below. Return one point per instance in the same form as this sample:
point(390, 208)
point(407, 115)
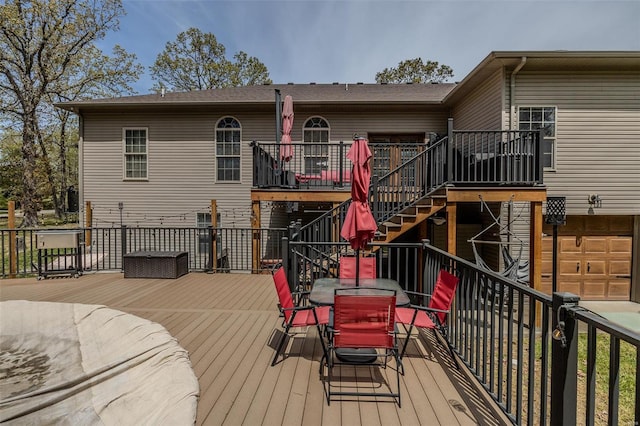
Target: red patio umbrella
point(359, 226)
point(286, 149)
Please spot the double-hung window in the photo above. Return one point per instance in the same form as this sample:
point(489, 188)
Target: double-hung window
point(135, 154)
point(544, 117)
point(316, 151)
point(228, 136)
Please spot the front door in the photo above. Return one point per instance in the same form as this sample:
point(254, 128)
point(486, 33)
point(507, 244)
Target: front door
point(392, 150)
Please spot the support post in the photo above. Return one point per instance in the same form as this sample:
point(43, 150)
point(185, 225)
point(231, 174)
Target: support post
point(255, 240)
point(535, 245)
point(564, 361)
point(452, 220)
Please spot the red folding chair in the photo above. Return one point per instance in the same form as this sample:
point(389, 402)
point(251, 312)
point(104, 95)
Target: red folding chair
point(366, 268)
point(362, 321)
point(296, 316)
point(434, 315)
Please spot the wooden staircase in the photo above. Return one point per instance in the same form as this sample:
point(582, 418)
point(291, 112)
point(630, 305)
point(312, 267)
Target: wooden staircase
point(409, 218)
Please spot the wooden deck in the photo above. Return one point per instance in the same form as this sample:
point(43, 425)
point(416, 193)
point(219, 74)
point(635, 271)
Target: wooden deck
point(227, 323)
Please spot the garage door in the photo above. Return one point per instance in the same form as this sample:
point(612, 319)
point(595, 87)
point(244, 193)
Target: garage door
point(594, 267)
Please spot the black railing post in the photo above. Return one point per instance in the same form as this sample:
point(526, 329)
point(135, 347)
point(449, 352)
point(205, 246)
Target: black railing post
point(286, 264)
point(341, 164)
point(450, 150)
point(256, 163)
point(540, 169)
point(376, 207)
point(564, 361)
point(210, 242)
point(123, 244)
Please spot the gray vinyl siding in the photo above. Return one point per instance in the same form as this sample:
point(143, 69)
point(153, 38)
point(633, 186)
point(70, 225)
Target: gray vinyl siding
point(181, 171)
point(482, 108)
point(597, 136)
point(182, 165)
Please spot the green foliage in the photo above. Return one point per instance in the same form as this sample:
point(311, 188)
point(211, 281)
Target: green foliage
point(415, 71)
point(48, 55)
point(196, 61)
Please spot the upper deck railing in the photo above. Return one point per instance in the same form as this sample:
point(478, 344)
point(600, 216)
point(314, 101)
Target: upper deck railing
point(469, 157)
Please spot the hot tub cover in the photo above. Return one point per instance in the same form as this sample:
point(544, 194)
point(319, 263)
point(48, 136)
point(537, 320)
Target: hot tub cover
point(88, 364)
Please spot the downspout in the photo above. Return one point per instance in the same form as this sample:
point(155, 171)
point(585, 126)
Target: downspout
point(80, 167)
point(512, 125)
point(512, 90)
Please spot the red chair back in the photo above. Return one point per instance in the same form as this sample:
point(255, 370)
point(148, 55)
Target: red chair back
point(284, 292)
point(443, 293)
point(367, 267)
point(363, 321)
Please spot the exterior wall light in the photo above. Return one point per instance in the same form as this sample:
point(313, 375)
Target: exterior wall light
point(594, 201)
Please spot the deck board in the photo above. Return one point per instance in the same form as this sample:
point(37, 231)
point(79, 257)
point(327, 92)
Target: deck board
point(227, 323)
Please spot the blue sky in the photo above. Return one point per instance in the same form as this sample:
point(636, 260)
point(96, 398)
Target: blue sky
point(348, 41)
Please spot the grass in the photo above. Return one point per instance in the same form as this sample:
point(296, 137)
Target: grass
point(627, 378)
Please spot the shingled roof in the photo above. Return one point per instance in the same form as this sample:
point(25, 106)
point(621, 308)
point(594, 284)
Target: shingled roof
point(302, 93)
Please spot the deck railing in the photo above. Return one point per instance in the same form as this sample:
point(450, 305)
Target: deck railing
point(102, 249)
point(544, 360)
point(469, 157)
point(321, 165)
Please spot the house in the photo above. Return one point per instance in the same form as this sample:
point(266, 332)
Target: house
point(166, 157)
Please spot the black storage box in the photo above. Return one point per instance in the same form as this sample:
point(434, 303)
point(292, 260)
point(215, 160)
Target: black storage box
point(156, 264)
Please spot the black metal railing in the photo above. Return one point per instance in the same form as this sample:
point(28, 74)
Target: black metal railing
point(543, 360)
point(307, 262)
point(478, 157)
point(389, 194)
point(503, 157)
point(321, 165)
point(102, 249)
point(538, 357)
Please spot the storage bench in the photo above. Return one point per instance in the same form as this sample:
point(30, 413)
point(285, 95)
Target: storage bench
point(156, 264)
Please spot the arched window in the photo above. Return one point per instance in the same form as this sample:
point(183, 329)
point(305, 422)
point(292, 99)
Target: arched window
point(315, 135)
point(228, 137)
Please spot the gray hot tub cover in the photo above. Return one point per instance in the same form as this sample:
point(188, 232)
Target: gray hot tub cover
point(88, 364)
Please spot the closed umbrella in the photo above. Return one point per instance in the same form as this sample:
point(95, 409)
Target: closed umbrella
point(359, 226)
point(286, 149)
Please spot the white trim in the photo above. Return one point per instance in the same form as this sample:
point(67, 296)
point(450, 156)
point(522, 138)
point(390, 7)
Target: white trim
point(124, 155)
point(215, 150)
point(555, 133)
point(316, 129)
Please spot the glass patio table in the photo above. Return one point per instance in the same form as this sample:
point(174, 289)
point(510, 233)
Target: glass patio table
point(323, 289)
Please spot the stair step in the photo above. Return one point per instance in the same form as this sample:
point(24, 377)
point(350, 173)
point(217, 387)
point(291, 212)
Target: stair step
point(392, 225)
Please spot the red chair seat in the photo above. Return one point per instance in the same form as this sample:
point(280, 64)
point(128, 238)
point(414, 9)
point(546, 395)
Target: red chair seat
point(405, 315)
point(305, 317)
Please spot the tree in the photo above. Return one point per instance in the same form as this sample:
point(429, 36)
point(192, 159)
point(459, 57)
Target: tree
point(415, 71)
point(45, 47)
point(196, 61)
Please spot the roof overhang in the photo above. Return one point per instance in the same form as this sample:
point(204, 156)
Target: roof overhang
point(559, 61)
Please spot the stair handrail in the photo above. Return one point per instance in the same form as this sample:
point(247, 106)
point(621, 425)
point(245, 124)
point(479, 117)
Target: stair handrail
point(425, 181)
